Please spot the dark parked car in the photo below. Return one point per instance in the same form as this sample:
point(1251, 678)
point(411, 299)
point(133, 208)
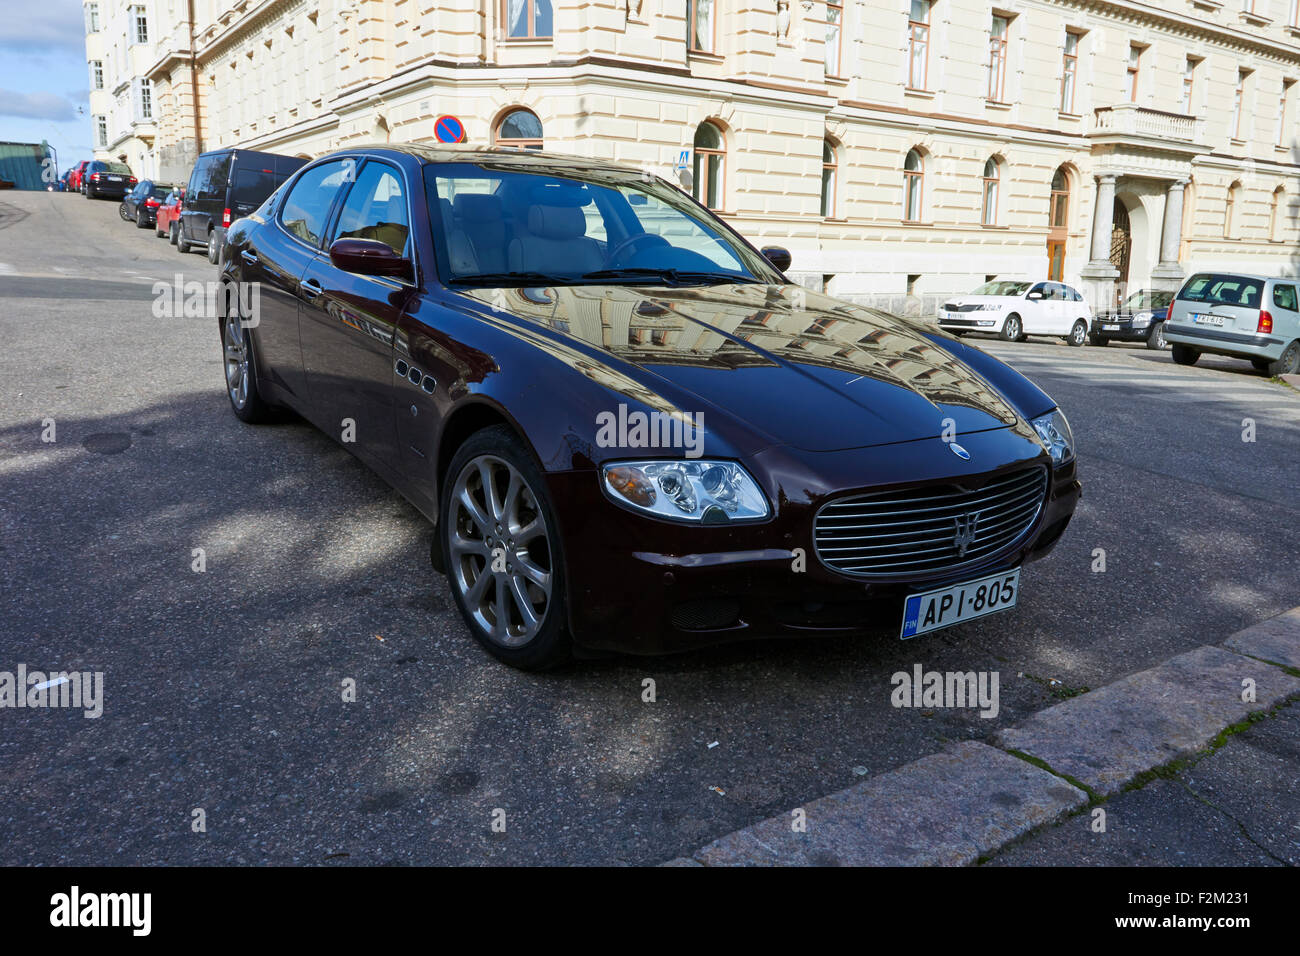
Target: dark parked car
point(1140, 318)
point(631, 432)
point(224, 185)
point(113, 180)
point(140, 205)
point(167, 219)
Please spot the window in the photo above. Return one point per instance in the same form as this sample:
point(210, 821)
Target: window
point(913, 186)
point(527, 19)
point(1060, 202)
point(146, 100)
point(376, 208)
point(97, 74)
point(699, 25)
point(1238, 94)
point(997, 59)
point(990, 213)
point(1230, 212)
point(829, 168)
point(1281, 111)
point(520, 129)
point(139, 25)
point(918, 44)
point(1284, 297)
point(1069, 70)
point(101, 131)
point(834, 21)
point(92, 18)
point(912, 281)
point(1134, 61)
point(1189, 84)
point(308, 205)
point(1275, 214)
point(709, 166)
point(1295, 12)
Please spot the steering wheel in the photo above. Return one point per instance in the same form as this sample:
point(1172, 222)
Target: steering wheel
point(628, 243)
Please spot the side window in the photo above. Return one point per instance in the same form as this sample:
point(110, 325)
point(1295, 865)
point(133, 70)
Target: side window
point(375, 208)
point(199, 178)
point(307, 207)
point(219, 177)
point(1284, 297)
point(1041, 289)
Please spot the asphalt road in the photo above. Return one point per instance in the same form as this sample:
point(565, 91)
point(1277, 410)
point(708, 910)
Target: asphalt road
point(223, 689)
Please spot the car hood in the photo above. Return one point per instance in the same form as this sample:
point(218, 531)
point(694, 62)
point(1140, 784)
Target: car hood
point(763, 364)
point(980, 299)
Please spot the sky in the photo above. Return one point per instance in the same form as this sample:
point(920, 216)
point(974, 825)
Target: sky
point(44, 83)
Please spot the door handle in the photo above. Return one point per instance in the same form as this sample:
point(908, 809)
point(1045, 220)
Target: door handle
point(311, 288)
point(248, 257)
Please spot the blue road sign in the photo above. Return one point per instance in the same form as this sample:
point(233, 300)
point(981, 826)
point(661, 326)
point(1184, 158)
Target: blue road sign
point(449, 129)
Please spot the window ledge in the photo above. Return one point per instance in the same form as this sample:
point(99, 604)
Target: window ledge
point(1255, 19)
point(1208, 4)
point(706, 55)
point(527, 41)
point(1074, 117)
point(916, 222)
point(919, 94)
point(1293, 29)
point(1238, 142)
point(985, 225)
point(835, 220)
point(836, 79)
point(997, 105)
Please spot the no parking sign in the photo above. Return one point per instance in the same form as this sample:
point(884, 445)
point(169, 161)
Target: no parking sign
point(449, 129)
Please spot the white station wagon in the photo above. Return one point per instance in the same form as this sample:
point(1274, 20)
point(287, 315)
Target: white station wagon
point(1014, 310)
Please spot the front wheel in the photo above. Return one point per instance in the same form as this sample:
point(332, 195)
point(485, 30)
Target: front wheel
point(241, 373)
point(214, 250)
point(1288, 363)
point(1010, 329)
point(182, 245)
point(140, 221)
point(1156, 337)
point(1078, 335)
point(1184, 354)
point(172, 233)
point(501, 551)
point(124, 212)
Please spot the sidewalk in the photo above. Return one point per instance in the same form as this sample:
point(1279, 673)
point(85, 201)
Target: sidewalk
point(1193, 762)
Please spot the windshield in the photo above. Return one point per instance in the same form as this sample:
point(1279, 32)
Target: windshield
point(122, 168)
point(1002, 288)
point(1148, 300)
point(495, 224)
point(1222, 290)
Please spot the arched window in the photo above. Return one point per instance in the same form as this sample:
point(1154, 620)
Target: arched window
point(913, 186)
point(1231, 212)
point(519, 128)
point(829, 168)
point(710, 162)
point(1276, 215)
point(1060, 209)
point(1058, 223)
point(992, 180)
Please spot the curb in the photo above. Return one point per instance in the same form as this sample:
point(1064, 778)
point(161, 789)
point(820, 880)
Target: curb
point(970, 800)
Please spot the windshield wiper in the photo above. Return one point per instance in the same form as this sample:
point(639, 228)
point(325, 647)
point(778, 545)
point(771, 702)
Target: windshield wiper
point(672, 276)
point(513, 279)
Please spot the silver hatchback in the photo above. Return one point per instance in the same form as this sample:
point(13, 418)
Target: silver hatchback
point(1244, 316)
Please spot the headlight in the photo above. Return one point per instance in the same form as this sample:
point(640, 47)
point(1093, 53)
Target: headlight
point(710, 492)
point(1142, 318)
point(1057, 438)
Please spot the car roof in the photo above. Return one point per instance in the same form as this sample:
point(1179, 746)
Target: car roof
point(498, 155)
point(1232, 273)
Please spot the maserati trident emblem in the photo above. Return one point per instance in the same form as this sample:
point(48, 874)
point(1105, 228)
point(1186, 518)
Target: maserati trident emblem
point(965, 535)
point(960, 452)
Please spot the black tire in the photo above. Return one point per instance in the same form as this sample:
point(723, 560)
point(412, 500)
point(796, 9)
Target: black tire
point(1184, 354)
point(1078, 334)
point(1012, 329)
point(1099, 340)
point(182, 244)
point(140, 221)
point(122, 211)
point(1156, 337)
point(1261, 365)
point(955, 332)
point(551, 645)
point(1288, 363)
point(172, 232)
point(252, 409)
point(157, 229)
point(214, 250)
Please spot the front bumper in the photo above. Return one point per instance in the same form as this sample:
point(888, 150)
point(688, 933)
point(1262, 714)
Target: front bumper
point(1123, 329)
point(981, 321)
point(640, 586)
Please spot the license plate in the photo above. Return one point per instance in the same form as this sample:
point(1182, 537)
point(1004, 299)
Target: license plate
point(935, 610)
point(115, 179)
point(1110, 328)
point(1204, 319)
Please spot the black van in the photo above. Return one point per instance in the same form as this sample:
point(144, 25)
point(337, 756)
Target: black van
point(225, 185)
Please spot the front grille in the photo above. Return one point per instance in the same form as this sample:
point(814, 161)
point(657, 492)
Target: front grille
point(961, 308)
point(920, 531)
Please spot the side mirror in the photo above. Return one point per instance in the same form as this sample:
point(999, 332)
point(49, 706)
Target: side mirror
point(368, 257)
point(778, 256)
point(1034, 295)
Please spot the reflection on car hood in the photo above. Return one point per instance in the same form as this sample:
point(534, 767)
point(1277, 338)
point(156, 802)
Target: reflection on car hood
point(794, 366)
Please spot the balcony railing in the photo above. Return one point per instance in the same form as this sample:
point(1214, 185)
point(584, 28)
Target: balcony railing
point(1128, 119)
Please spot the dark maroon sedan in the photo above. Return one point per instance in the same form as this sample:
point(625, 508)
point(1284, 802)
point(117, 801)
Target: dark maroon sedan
point(630, 430)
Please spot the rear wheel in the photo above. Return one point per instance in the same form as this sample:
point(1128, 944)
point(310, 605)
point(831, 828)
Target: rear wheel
point(182, 246)
point(124, 212)
point(1184, 354)
point(1156, 337)
point(501, 552)
point(172, 232)
point(1078, 334)
point(214, 251)
point(1010, 329)
point(1288, 363)
point(140, 221)
point(241, 373)
point(157, 228)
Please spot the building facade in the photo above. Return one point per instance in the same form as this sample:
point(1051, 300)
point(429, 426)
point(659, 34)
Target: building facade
point(904, 150)
point(119, 46)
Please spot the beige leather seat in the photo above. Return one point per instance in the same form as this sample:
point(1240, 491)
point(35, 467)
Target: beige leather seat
point(556, 241)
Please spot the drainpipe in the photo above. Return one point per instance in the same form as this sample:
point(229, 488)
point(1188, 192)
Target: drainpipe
point(194, 83)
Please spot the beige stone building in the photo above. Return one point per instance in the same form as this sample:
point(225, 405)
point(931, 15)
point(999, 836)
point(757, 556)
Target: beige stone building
point(903, 150)
point(119, 46)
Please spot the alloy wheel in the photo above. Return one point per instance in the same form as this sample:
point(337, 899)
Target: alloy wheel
point(499, 551)
point(236, 348)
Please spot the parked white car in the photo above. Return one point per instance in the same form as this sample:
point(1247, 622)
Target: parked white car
point(1014, 310)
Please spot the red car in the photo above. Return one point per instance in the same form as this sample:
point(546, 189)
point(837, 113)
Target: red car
point(169, 213)
point(78, 171)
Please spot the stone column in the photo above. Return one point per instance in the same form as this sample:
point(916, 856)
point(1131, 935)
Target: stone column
point(1168, 274)
point(1099, 275)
